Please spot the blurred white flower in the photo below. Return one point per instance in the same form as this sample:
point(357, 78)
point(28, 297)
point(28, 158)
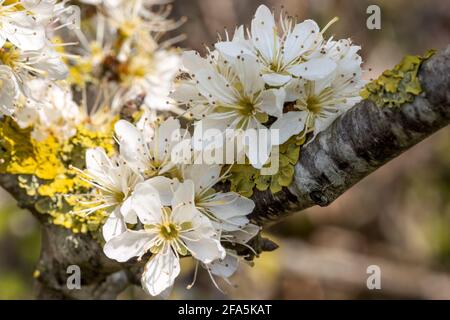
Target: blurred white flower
point(27, 65)
point(151, 74)
point(20, 27)
point(8, 91)
point(51, 110)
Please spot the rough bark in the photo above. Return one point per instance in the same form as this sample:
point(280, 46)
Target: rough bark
point(355, 145)
point(361, 141)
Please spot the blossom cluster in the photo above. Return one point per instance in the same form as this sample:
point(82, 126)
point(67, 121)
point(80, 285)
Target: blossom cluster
point(104, 67)
point(28, 47)
point(165, 208)
point(285, 78)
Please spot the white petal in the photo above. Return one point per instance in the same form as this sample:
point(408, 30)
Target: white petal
point(128, 245)
point(22, 31)
point(145, 201)
point(127, 211)
point(231, 224)
point(248, 71)
point(293, 89)
point(215, 87)
point(186, 93)
point(206, 249)
point(114, 226)
point(314, 69)
point(165, 188)
point(300, 40)
point(202, 175)
point(2, 39)
point(276, 79)
point(51, 63)
point(192, 61)
point(289, 124)
point(264, 33)
point(184, 194)
point(272, 102)
point(245, 235)
point(229, 205)
point(232, 49)
point(160, 272)
point(168, 135)
point(224, 268)
point(258, 151)
point(96, 160)
point(131, 143)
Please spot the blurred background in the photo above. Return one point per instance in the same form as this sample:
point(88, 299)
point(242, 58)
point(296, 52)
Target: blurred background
point(398, 218)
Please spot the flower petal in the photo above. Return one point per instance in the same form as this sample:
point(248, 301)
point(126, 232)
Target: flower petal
point(264, 34)
point(160, 272)
point(289, 124)
point(131, 142)
point(229, 205)
point(97, 160)
point(258, 145)
point(300, 40)
point(206, 249)
point(246, 234)
point(128, 245)
point(202, 175)
point(276, 79)
point(192, 61)
point(224, 268)
point(184, 194)
point(23, 32)
point(314, 69)
point(272, 102)
point(165, 188)
point(114, 226)
point(146, 202)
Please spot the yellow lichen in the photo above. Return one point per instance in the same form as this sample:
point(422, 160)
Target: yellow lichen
point(399, 85)
point(244, 178)
point(44, 171)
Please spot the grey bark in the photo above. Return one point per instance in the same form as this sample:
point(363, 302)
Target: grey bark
point(357, 143)
point(361, 141)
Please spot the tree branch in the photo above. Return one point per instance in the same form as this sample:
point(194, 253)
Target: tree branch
point(359, 142)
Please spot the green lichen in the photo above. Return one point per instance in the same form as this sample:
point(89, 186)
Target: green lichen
point(244, 178)
point(44, 171)
point(399, 85)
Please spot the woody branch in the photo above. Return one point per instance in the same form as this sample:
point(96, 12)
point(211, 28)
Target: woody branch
point(359, 142)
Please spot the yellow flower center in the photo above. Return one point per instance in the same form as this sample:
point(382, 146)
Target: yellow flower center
point(9, 56)
point(169, 231)
point(313, 104)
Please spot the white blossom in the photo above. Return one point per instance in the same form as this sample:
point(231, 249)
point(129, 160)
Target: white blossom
point(20, 28)
point(114, 182)
point(318, 103)
point(169, 232)
point(148, 149)
point(230, 94)
point(227, 210)
point(9, 91)
point(284, 51)
point(50, 111)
